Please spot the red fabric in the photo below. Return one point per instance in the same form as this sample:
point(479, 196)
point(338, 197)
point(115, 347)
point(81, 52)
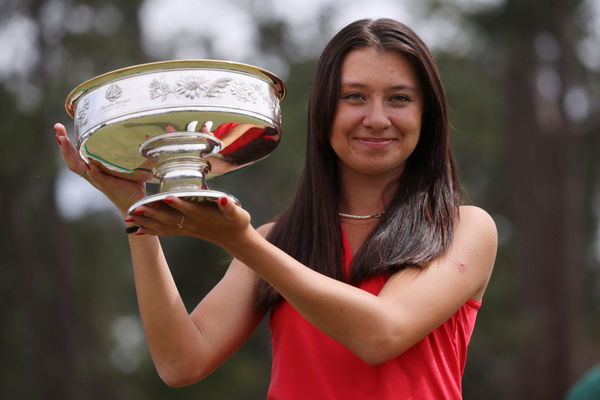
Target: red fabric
point(248, 136)
point(307, 364)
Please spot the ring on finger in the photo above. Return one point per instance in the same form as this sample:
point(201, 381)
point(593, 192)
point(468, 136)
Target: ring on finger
point(84, 173)
point(180, 224)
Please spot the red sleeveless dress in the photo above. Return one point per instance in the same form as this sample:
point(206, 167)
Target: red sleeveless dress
point(307, 364)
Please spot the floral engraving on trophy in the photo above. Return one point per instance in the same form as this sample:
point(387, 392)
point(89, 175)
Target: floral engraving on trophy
point(218, 87)
point(159, 88)
point(113, 92)
point(191, 87)
point(248, 93)
point(82, 109)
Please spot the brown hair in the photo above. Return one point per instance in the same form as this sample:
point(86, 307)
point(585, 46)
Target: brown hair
point(419, 220)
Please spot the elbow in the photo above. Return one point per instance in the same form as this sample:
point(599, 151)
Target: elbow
point(177, 381)
point(173, 380)
point(375, 357)
point(176, 376)
point(380, 349)
point(375, 361)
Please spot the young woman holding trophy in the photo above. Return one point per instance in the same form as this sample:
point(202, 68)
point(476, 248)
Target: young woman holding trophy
point(372, 278)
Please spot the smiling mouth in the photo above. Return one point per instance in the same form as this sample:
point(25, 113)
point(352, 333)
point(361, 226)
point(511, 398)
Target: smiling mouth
point(374, 142)
point(372, 139)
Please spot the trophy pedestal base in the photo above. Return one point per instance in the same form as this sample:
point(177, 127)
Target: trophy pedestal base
point(198, 195)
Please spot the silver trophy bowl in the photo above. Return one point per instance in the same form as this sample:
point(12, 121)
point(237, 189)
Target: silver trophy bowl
point(143, 123)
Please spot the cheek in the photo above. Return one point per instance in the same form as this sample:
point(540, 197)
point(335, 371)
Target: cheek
point(409, 124)
point(339, 128)
point(337, 143)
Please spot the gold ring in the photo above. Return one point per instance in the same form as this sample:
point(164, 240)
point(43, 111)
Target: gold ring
point(180, 224)
point(84, 173)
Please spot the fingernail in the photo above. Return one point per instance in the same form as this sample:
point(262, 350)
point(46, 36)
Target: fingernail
point(223, 201)
point(169, 200)
point(129, 219)
point(58, 140)
point(137, 212)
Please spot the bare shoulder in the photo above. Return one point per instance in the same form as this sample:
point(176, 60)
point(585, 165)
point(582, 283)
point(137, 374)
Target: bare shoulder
point(476, 243)
point(476, 227)
point(472, 217)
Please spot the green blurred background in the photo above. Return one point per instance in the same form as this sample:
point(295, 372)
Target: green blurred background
point(523, 83)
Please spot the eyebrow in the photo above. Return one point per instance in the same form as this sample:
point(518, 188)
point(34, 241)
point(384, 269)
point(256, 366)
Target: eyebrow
point(362, 85)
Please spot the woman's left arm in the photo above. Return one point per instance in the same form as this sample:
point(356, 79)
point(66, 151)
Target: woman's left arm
point(412, 303)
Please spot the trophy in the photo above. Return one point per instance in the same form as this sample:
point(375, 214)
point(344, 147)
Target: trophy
point(143, 123)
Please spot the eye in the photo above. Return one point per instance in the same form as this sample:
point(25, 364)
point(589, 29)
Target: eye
point(353, 97)
point(400, 98)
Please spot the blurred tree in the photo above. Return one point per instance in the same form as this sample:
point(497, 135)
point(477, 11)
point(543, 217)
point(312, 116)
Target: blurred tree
point(528, 71)
point(49, 345)
point(543, 172)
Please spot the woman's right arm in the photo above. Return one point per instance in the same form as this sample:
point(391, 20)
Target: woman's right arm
point(184, 347)
point(187, 347)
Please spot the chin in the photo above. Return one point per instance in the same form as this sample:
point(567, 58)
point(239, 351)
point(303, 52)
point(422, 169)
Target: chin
point(375, 171)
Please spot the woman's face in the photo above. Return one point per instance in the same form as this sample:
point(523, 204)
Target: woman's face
point(378, 119)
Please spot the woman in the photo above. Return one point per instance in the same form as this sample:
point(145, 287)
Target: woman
point(374, 274)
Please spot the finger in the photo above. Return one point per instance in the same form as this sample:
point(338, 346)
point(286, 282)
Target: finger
point(71, 156)
point(60, 130)
point(151, 226)
point(206, 127)
point(228, 208)
point(145, 231)
point(94, 174)
point(185, 207)
point(99, 166)
point(156, 218)
point(146, 225)
point(97, 175)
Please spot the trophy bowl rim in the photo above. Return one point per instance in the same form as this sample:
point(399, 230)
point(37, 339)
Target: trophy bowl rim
point(132, 70)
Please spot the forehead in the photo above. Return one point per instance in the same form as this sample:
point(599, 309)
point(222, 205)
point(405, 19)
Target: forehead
point(371, 65)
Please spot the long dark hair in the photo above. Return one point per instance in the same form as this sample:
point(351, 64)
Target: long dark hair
point(419, 221)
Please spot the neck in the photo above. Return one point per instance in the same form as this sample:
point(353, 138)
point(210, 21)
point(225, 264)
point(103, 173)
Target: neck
point(364, 195)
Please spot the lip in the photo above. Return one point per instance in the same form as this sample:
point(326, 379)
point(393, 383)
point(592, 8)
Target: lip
point(376, 143)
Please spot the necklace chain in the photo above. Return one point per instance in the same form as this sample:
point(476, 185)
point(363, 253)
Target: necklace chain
point(352, 216)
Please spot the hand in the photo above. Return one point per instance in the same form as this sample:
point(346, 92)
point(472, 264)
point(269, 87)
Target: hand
point(122, 192)
point(223, 225)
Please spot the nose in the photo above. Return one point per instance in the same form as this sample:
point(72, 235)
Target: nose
point(376, 117)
